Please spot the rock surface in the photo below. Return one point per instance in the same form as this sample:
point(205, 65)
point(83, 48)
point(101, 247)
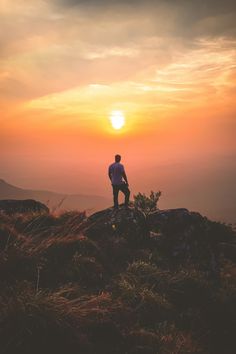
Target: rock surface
point(177, 219)
point(188, 236)
point(11, 206)
point(126, 223)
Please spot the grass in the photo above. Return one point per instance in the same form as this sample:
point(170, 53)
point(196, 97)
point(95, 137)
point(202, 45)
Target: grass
point(63, 291)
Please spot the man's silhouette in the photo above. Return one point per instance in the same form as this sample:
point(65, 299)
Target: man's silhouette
point(117, 175)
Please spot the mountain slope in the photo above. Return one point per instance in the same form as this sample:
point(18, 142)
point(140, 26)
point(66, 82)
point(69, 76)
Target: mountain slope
point(54, 200)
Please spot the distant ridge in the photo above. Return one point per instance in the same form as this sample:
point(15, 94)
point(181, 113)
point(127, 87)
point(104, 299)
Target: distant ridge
point(54, 200)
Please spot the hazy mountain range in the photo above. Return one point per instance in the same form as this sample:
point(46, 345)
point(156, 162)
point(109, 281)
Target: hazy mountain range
point(55, 201)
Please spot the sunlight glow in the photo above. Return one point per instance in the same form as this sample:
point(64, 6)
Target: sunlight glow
point(117, 119)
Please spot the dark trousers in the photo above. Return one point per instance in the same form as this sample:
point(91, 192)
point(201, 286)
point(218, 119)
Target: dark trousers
point(124, 189)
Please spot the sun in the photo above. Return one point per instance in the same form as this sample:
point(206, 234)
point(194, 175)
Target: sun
point(117, 119)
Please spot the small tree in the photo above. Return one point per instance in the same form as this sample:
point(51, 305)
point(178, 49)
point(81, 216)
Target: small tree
point(147, 204)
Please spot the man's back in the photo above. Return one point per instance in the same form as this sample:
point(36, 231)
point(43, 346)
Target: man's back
point(119, 181)
point(116, 170)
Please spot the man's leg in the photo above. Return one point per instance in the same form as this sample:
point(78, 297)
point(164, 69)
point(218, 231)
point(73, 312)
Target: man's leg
point(126, 191)
point(115, 195)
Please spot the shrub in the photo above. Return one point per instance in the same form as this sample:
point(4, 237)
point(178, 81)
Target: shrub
point(147, 204)
point(136, 288)
point(87, 270)
point(153, 308)
point(148, 274)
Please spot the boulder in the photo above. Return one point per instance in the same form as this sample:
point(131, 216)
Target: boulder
point(188, 236)
point(12, 206)
point(127, 223)
point(176, 219)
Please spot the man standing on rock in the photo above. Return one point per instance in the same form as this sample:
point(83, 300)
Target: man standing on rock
point(117, 175)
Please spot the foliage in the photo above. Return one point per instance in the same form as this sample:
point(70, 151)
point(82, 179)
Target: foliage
point(147, 204)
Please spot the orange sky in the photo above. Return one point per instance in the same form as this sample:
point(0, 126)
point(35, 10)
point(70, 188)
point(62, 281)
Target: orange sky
point(169, 66)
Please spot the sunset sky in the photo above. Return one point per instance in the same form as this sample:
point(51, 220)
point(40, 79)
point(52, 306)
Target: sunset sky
point(168, 66)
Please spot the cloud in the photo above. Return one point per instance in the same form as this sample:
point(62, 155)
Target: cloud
point(196, 79)
point(217, 4)
point(187, 14)
point(55, 46)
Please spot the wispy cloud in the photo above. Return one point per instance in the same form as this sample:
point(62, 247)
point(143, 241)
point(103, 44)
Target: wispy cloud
point(163, 54)
point(195, 77)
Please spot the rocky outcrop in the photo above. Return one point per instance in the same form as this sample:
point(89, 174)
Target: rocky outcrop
point(176, 219)
point(12, 206)
point(127, 223)
point(178, 234)
point(188, 236)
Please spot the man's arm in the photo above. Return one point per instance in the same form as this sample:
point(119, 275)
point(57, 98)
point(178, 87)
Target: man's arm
point(109, 173)
point(125, 177)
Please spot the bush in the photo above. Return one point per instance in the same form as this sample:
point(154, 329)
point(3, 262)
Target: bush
point(86, 270)
point(147, 204)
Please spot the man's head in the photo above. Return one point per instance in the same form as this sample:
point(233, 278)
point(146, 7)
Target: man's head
point(117, 158)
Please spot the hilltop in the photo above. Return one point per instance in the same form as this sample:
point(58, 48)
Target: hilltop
point(116, 282)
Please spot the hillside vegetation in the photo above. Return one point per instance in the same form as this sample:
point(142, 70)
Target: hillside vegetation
point(116, 282)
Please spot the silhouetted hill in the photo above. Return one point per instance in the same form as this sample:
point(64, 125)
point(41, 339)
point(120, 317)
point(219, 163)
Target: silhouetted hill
point(54, 200)
point(116, 282)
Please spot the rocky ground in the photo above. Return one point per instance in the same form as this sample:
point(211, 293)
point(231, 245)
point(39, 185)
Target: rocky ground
point(118, 281)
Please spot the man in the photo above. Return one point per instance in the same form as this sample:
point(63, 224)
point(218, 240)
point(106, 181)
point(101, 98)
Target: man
point(117, 175)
